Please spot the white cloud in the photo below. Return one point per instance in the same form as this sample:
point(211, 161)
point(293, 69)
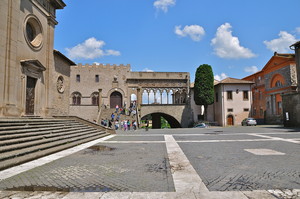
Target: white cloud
point(220, 77)
point(281, 44)
point(90, 49)
point(298, 30)
point(227, 46)
point(251, 69)
point(164, 4)
point(196, 32)
point(147, 70)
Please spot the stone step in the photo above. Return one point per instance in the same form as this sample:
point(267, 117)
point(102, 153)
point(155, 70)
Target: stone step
point(4, 135)
point(20, 120)
point(26, 139)
point(25, 148)
point(23, 123)
point(106, 114)
point(17, 139)
point(12, 128)
point(53, 149)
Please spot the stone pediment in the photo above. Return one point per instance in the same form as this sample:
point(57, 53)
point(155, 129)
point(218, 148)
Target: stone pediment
point(32, 67)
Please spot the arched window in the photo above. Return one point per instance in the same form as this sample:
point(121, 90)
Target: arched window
point(76, 98)
point(95, 98)
point(277, 81)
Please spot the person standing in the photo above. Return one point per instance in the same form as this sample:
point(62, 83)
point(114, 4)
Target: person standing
point(125, 125)
point(117, 108)
point(147, 124)
point(128, 125)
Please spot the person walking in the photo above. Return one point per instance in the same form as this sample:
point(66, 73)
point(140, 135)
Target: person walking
point(112, 117)
point(147, 124)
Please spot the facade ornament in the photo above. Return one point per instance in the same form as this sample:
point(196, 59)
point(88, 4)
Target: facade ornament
point(60, 84)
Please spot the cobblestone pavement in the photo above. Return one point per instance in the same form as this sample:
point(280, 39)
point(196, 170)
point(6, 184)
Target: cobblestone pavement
point(236, 162)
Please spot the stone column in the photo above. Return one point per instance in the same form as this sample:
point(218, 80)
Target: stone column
point(167, 97)
point(138, 98)
point(100, 98)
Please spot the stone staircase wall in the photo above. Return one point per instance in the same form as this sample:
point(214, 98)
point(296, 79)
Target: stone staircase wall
point(26, 139)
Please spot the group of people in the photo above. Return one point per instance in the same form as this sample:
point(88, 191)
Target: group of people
point(116, 123)
point(125, 125)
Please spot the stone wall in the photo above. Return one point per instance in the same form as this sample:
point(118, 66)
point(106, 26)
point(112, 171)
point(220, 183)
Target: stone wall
point(289, 74)
point(60, 91)
point(291, 109)
point(21, 57)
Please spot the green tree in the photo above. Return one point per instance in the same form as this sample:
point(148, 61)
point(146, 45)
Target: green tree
point(204, 87)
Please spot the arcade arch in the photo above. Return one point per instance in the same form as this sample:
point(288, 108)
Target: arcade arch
point(156, 120)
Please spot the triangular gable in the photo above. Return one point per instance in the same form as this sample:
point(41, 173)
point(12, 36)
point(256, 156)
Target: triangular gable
point(278, 59)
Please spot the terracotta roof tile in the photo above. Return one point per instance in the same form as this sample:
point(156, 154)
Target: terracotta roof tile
point(230, 80)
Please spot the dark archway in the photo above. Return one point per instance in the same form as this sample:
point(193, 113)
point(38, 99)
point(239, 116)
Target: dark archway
point(156, 120)
point(115, 99)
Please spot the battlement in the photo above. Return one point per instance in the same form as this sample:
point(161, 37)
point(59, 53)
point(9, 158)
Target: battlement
point(104, 66)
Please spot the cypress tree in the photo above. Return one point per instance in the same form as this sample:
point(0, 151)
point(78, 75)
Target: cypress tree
point(204, 87)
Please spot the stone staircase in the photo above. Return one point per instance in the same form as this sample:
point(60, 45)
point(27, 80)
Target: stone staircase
point(106, 114)
point(26, 139)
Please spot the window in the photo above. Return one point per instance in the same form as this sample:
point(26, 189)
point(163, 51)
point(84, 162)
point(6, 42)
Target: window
point(77, 78)
point(278, 83)
point(76, 98)
point(217, 97)
point(254, 111)
point(33, 32)
point(245, 95)
point(96, 78)
point(229, 95)
point(246, 110)
point(95, 99)
point(230, 110)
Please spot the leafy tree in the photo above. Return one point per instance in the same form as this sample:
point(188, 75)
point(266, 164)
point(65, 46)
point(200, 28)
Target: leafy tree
point(204, 87)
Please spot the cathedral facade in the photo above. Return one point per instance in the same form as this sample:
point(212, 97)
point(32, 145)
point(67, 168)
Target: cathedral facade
point(34, 78)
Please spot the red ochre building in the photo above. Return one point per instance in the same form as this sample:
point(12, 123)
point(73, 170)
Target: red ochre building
point(278, 77)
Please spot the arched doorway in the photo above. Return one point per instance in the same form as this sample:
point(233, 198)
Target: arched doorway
point(230, 121)
point(115, 99)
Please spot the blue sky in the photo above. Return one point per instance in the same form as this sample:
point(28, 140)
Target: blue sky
point(235, 37)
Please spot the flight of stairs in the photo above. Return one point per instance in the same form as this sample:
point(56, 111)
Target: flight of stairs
point(106, 114)
point(26, 139)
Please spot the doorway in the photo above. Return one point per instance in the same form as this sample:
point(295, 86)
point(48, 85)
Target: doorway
point(115, 99)
point(30, 95)
point(230, 120)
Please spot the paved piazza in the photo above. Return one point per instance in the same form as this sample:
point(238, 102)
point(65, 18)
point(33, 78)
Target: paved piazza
point(236, 162)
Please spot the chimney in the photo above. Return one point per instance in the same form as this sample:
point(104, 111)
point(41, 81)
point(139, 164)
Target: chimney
point(296, 47)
